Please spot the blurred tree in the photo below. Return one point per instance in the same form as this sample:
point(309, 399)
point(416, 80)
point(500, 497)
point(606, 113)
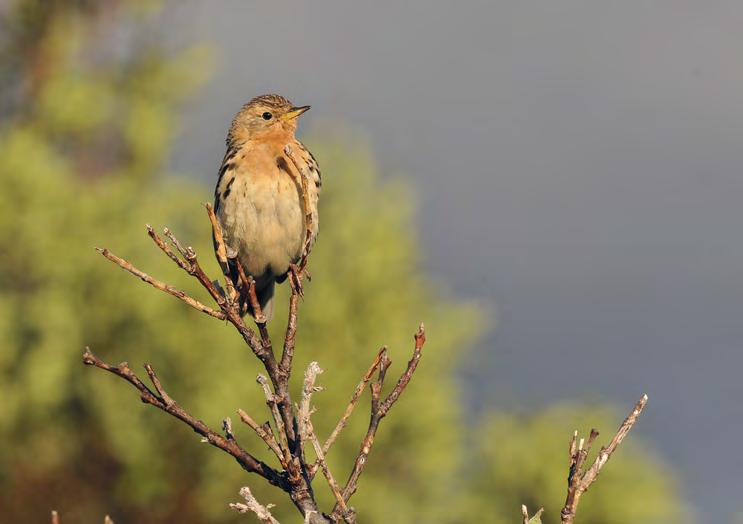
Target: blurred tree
point(523, 460)
point(87, 109)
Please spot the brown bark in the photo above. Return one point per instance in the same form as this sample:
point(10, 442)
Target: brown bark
point(293, 424)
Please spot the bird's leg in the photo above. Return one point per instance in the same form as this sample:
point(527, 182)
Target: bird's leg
point(248, 296)
point(295, 279)
point(244, 301)
point(232, 261)
point(260, 318)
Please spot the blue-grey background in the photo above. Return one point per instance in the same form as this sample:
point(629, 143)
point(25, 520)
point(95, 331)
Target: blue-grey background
point(578, 166)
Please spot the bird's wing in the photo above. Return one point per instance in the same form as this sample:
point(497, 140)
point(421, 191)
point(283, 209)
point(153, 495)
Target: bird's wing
point(315, 177)
point(314, 167)
point(221, 191)
point(223, 181)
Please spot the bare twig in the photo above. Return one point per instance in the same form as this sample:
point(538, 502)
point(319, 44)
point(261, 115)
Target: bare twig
point(307, 432)
point(402, 382)
point(261, 348)
point(349, 409)
point(221, 252)
point(578, 480)
point(248, 285)
point(173, 240)
point(253, 506)
point(290, 338)
point(161, 285)
point(227, 428)
point(184, 265)
point(277, 418)
point(379, 409)
point(190, 264)
point(265, 433)
point(162, 401)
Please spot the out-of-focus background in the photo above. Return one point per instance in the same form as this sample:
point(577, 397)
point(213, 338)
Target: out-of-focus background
point(554, 187)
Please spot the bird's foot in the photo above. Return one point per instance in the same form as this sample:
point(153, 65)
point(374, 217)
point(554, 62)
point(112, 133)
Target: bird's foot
point(244, 302)
point(251, 301)
point(296, 273)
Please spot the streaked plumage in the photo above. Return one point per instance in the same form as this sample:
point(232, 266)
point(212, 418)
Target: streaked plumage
point(258, 198)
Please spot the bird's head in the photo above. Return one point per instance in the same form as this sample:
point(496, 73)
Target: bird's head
point(265, 116)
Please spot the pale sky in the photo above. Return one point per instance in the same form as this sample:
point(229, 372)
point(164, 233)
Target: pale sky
point(578, 165)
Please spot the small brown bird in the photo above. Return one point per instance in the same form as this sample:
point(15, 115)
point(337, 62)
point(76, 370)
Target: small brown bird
point(259, 198)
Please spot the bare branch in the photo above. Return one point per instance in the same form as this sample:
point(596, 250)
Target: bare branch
point(253, 506)
point(221, 252)
point(245, 459)
point(159, 242)
point(265, 434)
point(192, 267)
point(261, 348)
point(420, 339)
point(307, 432)
point(185, 253)
point(161, 285)
point(379, 410)
point(290, 338)
point(349, 409)
point(277, 418)
point(578, 480)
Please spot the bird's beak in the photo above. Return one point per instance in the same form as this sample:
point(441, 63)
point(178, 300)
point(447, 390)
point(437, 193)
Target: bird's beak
point(294, 112)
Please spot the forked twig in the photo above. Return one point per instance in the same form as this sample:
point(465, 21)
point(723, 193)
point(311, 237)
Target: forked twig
point(578, 480)
point(307, 432)
point(349, 409)
point(379, 409)
point(177, 293)
point(253, 506)
point(265, 433)
point(277, 418)
point(162, 400)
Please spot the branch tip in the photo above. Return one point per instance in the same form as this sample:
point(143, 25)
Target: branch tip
point(88, 357)
point(579, 480)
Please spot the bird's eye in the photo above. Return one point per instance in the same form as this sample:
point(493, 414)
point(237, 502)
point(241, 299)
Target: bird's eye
point(266, 116)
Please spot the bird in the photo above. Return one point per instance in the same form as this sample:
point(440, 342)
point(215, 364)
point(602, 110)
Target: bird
point(260, 197)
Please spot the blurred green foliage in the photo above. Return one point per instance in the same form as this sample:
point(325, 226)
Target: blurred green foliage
point(86, 128)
